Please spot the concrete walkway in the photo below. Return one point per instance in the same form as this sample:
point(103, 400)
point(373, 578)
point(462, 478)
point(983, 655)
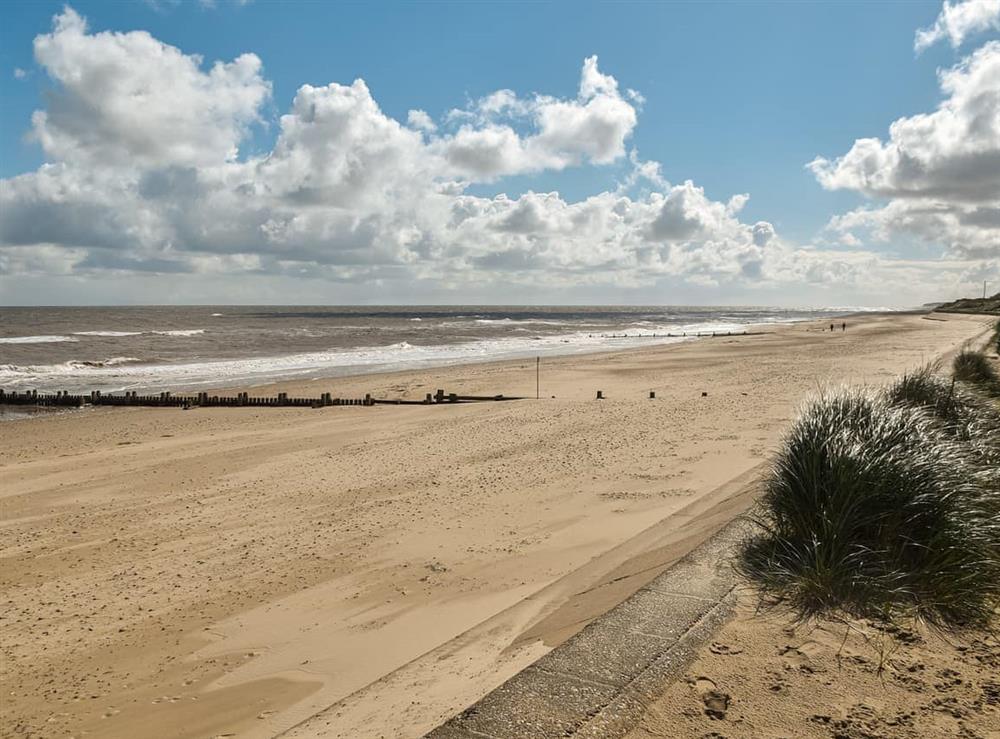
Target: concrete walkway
point(598, 683)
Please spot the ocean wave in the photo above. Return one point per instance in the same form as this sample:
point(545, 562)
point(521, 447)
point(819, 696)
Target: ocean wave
point(35, 339)
point(859, 309)
point(12, 371)
point(112, 362)
point(107, 333)
point(110, 334)
point(130, 373)
point(127, 373)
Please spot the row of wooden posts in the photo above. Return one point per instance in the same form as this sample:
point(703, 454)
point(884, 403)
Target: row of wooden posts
point(63, 398)
point(684, 335)
point(652, 395)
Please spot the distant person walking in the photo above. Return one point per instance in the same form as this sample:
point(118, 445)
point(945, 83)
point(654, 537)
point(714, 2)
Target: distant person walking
point(843, 326)
point(831, 327)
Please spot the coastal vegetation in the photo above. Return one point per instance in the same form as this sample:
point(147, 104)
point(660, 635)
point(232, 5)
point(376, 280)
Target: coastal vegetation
point(976, 369)
point(971, 305)
point(885, 504)
point(960, 412)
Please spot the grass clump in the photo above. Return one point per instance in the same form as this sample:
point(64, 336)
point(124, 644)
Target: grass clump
point(960, 412)
point(974, 368)
point(871, 508)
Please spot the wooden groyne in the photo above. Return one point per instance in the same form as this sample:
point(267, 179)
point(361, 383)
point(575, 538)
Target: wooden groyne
point(683, 335)
point(240, 400)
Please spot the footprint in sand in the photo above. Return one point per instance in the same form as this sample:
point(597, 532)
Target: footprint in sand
point(802, 657)
point(716, 702)
point(719, 648)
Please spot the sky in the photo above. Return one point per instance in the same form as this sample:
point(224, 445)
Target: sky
point(797, 154)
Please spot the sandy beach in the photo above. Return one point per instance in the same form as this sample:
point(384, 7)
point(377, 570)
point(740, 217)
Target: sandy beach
point(764, 676)
point(367, 572)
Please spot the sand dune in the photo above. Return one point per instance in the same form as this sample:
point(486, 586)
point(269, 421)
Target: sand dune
point(369, 571)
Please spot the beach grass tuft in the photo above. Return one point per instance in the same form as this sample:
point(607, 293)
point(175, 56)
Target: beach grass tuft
point(873, 509)
point(974, 368)
point(960, 411)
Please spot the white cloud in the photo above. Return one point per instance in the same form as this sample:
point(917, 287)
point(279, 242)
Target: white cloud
point(958, 21)
point(144, 176)
point(419, 119)
point(592, 128)
point(19, 74)
point(129, 99)
point(952, 153)
point(940, 171)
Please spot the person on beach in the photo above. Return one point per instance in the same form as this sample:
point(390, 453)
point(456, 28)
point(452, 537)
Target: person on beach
point(831, 328)
point(843, 326)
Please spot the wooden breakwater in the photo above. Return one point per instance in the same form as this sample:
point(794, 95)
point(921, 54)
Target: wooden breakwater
point(682, 335)
point(240, 400)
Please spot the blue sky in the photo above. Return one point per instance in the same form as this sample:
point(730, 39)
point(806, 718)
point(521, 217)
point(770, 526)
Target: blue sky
point(738, 97)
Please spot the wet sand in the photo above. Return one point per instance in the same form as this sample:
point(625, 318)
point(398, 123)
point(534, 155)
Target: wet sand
point(370, 571)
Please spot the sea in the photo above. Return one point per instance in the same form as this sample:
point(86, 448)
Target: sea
point(156, 348)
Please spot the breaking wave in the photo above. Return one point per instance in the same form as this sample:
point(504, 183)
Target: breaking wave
point(35, 339)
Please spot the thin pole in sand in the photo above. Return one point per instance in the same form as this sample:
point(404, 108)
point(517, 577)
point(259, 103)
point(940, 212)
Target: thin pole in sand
point(538, 362)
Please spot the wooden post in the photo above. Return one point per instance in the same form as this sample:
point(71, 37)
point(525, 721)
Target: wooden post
point(652, 394)
point(600, 395)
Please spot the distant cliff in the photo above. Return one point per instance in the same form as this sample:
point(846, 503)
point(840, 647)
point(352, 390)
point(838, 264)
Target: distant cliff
point(972, 305)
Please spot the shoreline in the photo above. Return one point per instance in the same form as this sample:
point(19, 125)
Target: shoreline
point(381, 567)
point(282, 384)
point(305, 373)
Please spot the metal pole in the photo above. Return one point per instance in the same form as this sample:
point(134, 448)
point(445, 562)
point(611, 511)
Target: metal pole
point(538, 362)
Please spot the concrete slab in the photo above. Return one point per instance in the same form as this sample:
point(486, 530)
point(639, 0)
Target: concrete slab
point(534, 703)
point(616, 649)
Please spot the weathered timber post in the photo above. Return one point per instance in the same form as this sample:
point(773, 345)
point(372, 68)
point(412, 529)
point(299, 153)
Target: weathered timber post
point(600, 395)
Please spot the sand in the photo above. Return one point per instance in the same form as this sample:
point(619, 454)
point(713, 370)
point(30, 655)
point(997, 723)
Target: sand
point(763, 677)
point(366, 572)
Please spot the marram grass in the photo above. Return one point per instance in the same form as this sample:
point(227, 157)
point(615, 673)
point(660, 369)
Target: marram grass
point(959, 411)
point(871, 508)
point(974, 368)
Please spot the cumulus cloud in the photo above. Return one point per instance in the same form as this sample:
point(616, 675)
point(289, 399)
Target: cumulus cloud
point(958, 21)
point(940, 171)
point(593, 127)
point(421, 120)
point(127, 98)
point(145, 175)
